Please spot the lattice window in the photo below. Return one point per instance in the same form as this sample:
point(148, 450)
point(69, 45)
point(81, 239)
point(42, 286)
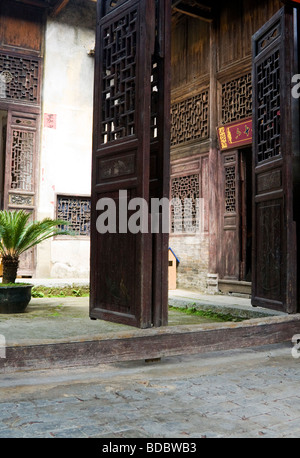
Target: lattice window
point(22, 158)
point(185, 217)
point(189, 119)
point(230, 184)
point(237, 99)
point(119, 78)
point(19, 77)
point(268, 111)
point(154, 102)
point(76, 210)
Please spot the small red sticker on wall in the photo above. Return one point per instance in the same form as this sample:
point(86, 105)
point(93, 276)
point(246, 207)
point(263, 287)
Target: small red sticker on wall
point(50, 121)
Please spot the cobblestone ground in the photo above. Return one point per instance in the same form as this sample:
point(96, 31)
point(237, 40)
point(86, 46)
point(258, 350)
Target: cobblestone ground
point(241, 393)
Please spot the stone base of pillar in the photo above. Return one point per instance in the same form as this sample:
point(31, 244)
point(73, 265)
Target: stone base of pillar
point(212, 283)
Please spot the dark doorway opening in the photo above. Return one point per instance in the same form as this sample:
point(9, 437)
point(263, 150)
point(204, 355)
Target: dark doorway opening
point(246, 214)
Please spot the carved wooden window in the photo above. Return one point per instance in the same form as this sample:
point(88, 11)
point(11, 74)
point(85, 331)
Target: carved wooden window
point(77, 211)
point(268, 108)
point(186, 190)
point(22, 160)
point(119, 77)
point(237, 99)
point(230, 184)
point(19, 78)
point(190, 119)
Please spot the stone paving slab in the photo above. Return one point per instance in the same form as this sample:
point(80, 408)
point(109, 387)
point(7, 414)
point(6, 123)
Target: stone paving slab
point(57, 319)
point(242, 393)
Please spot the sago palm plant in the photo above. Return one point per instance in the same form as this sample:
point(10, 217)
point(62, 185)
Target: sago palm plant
point(18, 234)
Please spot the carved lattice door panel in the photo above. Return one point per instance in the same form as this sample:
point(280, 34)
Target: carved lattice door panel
point(20, 173)
point(274, 237)
point(130, 154)
point(230, 267)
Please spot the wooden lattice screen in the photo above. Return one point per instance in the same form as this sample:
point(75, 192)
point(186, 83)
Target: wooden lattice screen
point(274, 237)
point(131, 153)
point(20, 77)
point(236, 99)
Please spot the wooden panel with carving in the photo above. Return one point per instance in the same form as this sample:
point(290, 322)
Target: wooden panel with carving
point(20, 77)
point(236, 99)
point(190, 119)
point(21, 172)
point(189, 180)
point(274, 238)
point(129, 270)
point(230, 222)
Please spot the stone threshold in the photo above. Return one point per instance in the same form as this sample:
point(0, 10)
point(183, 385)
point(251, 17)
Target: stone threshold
point(149, 344)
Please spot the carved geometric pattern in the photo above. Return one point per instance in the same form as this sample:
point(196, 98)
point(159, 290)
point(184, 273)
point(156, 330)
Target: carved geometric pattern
point(77, 211)
point(268, 108)
point(110, 5)
point(186, 190)
point(21, 200)
point(189, 119)
point(119, 77)
point(19, 78)
point(22, 160)
point(268, 38)
point(154, 102)
point(230, 189)
point(237, 99)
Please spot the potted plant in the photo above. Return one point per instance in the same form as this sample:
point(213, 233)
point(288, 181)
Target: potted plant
point(17, 235)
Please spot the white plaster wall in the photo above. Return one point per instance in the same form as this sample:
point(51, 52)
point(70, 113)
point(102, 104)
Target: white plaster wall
point(65, 158)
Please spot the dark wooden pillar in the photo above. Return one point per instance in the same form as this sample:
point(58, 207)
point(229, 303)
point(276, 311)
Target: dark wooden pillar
point(214, 210)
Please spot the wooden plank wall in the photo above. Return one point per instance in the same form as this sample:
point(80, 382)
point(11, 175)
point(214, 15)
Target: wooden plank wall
point(21, 27)
point(191, 62)
point(206, 55)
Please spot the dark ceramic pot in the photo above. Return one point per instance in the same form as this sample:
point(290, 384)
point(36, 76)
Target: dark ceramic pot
point(14, 298)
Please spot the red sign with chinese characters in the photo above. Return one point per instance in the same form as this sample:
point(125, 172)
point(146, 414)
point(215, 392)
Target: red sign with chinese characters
point(50, 121)
point(235, 134)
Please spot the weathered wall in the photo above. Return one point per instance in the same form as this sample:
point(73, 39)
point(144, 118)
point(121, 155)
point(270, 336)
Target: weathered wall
point(192, 252)
point(65, 163)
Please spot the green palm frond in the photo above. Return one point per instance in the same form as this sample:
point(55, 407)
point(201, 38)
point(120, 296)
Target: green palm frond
point(18, 235)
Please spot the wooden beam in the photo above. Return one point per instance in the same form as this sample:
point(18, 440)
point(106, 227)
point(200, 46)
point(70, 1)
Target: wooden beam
point(59, 6)
point(193, 11)
point(39, 3)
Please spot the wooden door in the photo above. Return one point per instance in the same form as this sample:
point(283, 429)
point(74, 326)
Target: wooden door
point(231, 215)
point(21, 165)
point(246, 213)
point(130, 154)
point(274, 235)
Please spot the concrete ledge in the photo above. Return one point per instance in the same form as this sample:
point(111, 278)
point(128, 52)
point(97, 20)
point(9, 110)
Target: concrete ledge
point(237, 310)
point(150, 344)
